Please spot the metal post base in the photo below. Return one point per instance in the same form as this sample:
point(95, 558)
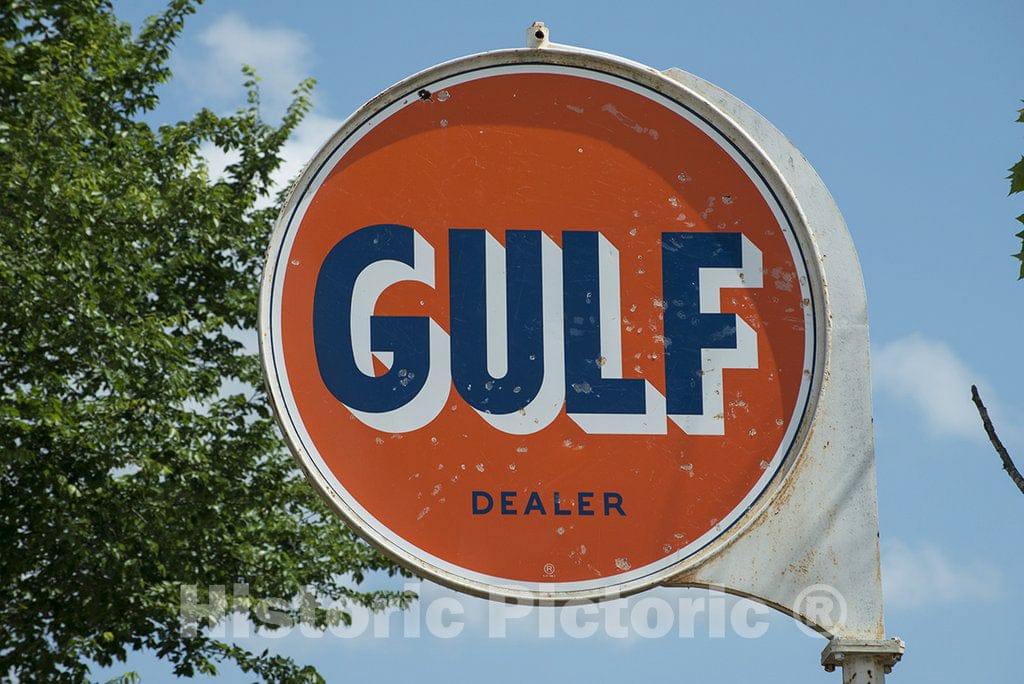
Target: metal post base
point(864, 661)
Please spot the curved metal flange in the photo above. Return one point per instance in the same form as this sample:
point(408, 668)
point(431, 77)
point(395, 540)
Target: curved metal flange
point(813, 553)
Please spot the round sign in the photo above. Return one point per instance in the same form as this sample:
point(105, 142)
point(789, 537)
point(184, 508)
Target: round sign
point(541, 324)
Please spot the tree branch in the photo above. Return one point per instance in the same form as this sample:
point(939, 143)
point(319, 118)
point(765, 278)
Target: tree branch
point(1008, 465)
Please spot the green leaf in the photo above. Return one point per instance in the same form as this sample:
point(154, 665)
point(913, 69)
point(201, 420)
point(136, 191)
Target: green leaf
point(1016, 177)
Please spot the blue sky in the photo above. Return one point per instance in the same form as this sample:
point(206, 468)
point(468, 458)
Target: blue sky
point(906, 111)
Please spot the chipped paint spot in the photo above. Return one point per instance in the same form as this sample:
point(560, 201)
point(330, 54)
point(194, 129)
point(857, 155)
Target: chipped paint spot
point(683, 177)
point(622, 563)
point(574, 108)
point(709, 209)
point(443, 96)
point(426, 509)
point(782, 278)
point(480, 467)
point(628, 122)
point(444, 123)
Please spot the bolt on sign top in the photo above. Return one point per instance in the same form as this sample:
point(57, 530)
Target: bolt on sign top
point(542, 324)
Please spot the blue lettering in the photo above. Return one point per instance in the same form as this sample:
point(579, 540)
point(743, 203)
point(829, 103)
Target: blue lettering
point(534, 504)
point(687, 330)
point(477, 508)
point(586, 391)
point(558, 506)
point(583, 503)
point(613, 501)
point(524, 295)
point(407, 337)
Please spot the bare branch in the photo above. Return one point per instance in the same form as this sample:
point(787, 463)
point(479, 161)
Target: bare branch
point(1008, 465)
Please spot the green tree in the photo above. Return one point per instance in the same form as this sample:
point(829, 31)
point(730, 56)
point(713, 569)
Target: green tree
point(1016, 179)
point(138, 452)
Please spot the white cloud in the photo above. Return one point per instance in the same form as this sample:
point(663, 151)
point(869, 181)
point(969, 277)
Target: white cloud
point(217, 160)
point(313, 132)
point(281, 58)
point(930, 376)
point(922, 575)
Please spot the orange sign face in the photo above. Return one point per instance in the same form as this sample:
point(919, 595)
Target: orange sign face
point(538, 328)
